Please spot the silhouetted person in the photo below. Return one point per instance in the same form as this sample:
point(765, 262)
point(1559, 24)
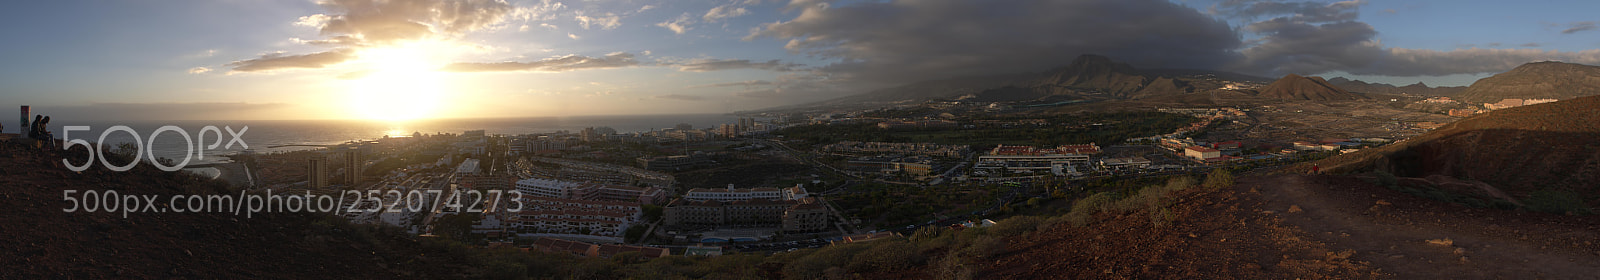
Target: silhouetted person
point(33, 127)
point(42, 132)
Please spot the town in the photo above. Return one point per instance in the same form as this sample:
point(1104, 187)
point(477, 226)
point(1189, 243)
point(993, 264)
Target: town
point(772, 183)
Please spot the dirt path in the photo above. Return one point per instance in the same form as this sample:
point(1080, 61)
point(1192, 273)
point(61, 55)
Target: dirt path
point(1392, 231)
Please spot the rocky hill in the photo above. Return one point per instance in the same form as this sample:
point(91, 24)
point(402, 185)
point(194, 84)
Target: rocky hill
point(1418, 88)
point(1543, 148)
point(1296, 87)
point(1538, 80)
point(1099, 73)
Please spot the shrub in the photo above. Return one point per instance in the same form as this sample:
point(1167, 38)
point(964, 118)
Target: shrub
point(1556, 201)
point(1161, 216)
point(954, 267)
point(987, 246)
point(1152, 196)
point(1092, 204)
point(1016, 225)
point(1180, 183)
point(1218, 178)
point(888, 255)
point(1384, 178)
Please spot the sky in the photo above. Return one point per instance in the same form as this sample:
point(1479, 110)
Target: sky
point(407, 59)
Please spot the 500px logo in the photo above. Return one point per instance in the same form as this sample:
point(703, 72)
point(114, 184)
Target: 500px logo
point(147, 150)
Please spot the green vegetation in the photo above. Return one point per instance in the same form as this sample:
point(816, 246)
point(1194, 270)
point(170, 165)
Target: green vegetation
point(1218, 179)
point(1557, 201)
point(1103, 128)
point(889, 205)
point(1387, 180)
point(1154, 199)
point(899, 113)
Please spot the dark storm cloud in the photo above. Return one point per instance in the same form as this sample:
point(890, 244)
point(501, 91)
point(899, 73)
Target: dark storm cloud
point(1301, 11)
point(1290, 46)
point(556, 64)
point(906, 41)
point(277, 61)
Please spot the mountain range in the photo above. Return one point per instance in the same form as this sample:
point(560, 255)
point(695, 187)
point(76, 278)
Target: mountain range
point(1095, 77)
point(1538, 80)
point(1296, 87)
point(1418, 88)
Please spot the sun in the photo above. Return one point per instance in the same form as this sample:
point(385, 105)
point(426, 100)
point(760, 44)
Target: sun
point(400, 82)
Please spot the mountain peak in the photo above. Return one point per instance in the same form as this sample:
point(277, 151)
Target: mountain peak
point(1537, 80)
point(1294, 86)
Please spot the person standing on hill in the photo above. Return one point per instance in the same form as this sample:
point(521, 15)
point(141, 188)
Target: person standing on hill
point(33, 127)
point(1316, 169)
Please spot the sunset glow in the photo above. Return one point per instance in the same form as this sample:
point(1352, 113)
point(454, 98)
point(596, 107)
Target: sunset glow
point(401, 83)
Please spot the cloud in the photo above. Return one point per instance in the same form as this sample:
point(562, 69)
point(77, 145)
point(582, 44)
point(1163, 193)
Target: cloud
point(199, 70)
point(678, 25)
point(573, 36)
point(707, 65)
point(724, 12)
point(1531, 45)
point(1298, 11)
point(556, 64)
point(1314, 38)
point(1579, 27)
point(746, 84)
point(353, 25)
point(276, 61)
point(764, 93)
point(681, 97)
point(907, 41)
point(380, 22)
point(606, 22)
point(645, 8)
point(341, 40)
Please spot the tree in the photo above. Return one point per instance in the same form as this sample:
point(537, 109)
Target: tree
point(652, 212)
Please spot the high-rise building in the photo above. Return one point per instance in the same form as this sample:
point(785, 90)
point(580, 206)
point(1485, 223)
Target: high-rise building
point(352, 165)
point(317, 172)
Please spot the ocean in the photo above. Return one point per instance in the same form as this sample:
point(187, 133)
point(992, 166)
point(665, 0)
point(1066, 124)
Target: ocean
point(263, 134)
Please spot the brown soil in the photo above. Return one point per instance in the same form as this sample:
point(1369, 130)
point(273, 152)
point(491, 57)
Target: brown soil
point(1311, 227)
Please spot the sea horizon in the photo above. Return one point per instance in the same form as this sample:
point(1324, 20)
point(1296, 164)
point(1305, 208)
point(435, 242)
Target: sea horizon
point(267, 136)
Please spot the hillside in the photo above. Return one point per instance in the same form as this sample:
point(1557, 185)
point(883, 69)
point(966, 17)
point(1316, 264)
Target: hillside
point(1299, 227)
point(1418, 88)
point(1101, 74)
point(1296, 87)
point(1548, 148)
point(42, 241)
point(1538, 80)
point(1086, 75)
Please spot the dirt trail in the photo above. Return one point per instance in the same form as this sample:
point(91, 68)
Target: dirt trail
point(1392, 231)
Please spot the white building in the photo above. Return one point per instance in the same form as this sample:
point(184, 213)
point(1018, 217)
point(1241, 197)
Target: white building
point(467, 167)
point(547, 188)
point(732, 194)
